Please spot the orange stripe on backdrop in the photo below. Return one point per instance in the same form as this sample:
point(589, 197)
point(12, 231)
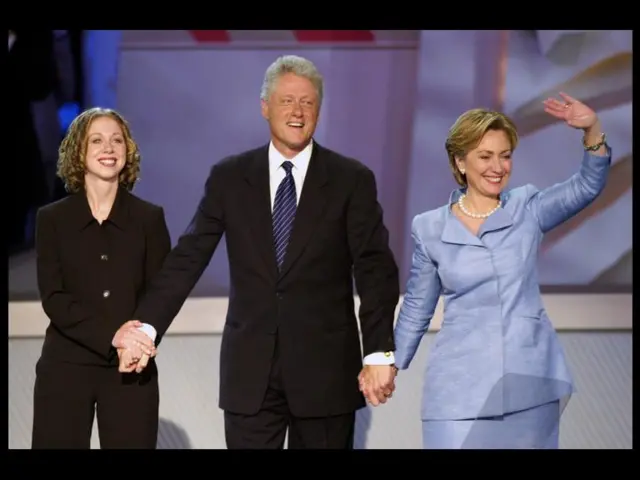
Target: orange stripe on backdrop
point(334, 35)
point(205, 36)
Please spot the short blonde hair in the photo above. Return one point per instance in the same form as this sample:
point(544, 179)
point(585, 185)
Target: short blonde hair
point(71, 154)
point(467, 133)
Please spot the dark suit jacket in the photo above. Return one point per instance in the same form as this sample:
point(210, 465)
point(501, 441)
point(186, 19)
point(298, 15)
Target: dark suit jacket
point(338, 234)
point(90, 275)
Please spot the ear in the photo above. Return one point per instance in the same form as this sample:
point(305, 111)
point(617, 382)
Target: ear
point(264, 109)
point(460, 163)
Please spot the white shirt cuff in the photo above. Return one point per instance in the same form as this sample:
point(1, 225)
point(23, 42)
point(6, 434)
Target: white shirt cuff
point(149, 330)
point(380, 358)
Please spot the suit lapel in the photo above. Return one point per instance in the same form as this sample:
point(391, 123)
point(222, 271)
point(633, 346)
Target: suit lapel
point(257, 176)
point(500, 220)
point(310, 208)
point(455, 232)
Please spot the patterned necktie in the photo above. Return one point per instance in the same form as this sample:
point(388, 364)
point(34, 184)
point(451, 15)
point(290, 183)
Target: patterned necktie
point(284, 211)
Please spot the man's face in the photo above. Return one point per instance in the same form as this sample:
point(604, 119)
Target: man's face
point(292, 112)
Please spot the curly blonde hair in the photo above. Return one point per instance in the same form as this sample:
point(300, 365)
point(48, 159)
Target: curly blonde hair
point(467, 132)
point(72, 152)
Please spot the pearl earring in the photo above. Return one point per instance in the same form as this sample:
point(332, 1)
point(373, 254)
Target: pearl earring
point(462, 171)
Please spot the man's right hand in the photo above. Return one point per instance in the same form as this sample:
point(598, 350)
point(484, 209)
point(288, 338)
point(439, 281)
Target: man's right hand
point(130, 338)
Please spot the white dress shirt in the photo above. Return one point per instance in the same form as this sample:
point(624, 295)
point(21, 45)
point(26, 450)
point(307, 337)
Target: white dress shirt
point(276, 175)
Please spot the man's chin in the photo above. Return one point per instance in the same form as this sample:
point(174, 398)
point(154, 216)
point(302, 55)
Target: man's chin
point(297, 145)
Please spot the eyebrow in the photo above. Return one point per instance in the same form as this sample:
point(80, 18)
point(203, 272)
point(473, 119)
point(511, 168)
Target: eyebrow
point(491, 151)
point(100, 134)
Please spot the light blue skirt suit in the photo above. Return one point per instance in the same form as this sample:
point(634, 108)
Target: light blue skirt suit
point(496, 375)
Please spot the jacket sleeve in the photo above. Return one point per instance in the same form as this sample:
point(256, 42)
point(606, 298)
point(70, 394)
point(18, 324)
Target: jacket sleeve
point(419, 304)
point(374, 267)
point(183, 266)
point(158, 242)
point(558, 203)
point(66, 312)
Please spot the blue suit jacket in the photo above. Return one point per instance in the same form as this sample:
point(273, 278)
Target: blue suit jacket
point(496, 351)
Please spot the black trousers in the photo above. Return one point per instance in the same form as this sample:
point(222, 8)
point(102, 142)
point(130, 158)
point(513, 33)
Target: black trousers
point(67, 396)
point(268, 428)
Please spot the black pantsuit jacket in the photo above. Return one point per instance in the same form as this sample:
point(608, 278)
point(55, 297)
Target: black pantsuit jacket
point(91, 275)
point(338, 235)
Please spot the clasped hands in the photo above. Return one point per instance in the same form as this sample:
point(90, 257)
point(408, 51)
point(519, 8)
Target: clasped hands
point(135, 348)
point(377, 383)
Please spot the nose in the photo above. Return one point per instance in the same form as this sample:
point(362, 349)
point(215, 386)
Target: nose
point(497, 166)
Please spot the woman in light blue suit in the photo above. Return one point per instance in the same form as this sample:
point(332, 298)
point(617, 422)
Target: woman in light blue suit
point(497, 376)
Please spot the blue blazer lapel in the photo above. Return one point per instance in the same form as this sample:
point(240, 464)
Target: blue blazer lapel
point(500, 220)
point(455, 232)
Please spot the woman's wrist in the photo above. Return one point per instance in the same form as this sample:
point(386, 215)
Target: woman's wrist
point(593, 134)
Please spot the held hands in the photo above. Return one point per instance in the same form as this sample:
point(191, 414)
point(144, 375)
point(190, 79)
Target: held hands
point(134, 347)
point(128, 363)
point(377, 383)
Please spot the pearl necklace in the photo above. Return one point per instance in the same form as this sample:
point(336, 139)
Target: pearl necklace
point(476, 215)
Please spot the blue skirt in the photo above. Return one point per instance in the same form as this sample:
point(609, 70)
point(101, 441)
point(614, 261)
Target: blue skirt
point(535, 428)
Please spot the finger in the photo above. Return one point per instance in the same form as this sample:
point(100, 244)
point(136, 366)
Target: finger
point(560, 114)
point(124, 365)
point(568, 98)
point(555, 106)
point(373, 400)
point(135, 342)
point(554, 102)
point(136, 352)
point(133, 324)
point(369, 396)
point(379, 394)
point(144, 361)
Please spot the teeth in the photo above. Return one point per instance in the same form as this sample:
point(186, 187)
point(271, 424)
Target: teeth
point(295, 124)
point(110, 162)
point(494, 179)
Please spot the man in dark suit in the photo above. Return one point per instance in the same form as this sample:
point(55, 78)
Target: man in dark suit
point(291, 352)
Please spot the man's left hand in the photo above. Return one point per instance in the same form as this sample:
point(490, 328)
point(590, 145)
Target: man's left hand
point(377, 383)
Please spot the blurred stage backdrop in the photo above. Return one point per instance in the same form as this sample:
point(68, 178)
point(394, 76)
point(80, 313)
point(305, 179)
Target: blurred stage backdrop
point(192, 98)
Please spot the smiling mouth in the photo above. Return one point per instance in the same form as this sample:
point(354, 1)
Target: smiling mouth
point(107, 162)
point(295, 124)
point(494, 179)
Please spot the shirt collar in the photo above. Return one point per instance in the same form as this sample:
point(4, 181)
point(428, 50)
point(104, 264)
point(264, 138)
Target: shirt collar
point(300, 161)
point(119, 211)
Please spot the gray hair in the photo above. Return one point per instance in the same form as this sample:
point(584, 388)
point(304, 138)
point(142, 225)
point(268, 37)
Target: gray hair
point(291, 64)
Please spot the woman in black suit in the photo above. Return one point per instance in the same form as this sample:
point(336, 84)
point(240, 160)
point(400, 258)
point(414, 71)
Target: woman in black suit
point(96, 250)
